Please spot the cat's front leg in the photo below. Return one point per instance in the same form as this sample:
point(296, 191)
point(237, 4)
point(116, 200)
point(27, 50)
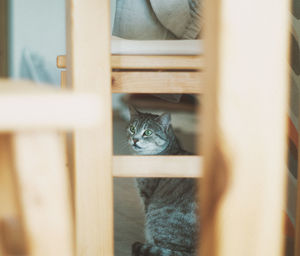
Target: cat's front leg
point(139, 249)
point(136, 248)
point(146, 187)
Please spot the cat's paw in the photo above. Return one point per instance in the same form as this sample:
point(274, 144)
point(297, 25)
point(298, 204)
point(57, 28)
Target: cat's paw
point(136, 249)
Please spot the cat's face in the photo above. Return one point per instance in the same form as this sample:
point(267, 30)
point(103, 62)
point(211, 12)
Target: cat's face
point(147, 133)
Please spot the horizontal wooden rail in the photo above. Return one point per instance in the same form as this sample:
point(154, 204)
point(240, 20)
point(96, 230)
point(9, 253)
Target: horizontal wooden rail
point(157, 166)
point(138, 74)
point(149, 62)
point(26, 105)
point(154, 82)
point(157, 82)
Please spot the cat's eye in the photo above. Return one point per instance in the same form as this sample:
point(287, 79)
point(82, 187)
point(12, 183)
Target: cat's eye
point(132, 129)
point(147, 132)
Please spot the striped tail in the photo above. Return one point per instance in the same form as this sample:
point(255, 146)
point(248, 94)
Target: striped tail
point(139, 249)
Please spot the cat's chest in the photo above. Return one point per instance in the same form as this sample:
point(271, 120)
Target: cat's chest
point(168, 223)
point(175, 190)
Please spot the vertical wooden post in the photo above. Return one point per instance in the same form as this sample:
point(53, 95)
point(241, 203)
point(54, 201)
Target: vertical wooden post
point(8, 197)
point(9, 208)
point(44, 194)
point(297, 227)
point(88, 70)
point(245, 127)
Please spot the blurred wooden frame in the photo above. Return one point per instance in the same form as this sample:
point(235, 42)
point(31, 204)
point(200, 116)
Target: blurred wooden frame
point(245, 153)
point(244, 168)
point(35, 209)
point(139, 74)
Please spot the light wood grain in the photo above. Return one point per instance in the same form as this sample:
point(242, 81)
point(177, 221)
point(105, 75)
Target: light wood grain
point(157, 62)
point(9, 207)
point(8, 197)
point(297, 226)
point(13, 236)
point(2, 247)
point(44, 193)
point(157, 166)
point(157, 82)
point(149, 62)
point(69, 142)
point(26, 105)
point(61, 61)
point(88, 61)
point(212, 187)
point(64, 111)
point(63, 79)
point(245, 134)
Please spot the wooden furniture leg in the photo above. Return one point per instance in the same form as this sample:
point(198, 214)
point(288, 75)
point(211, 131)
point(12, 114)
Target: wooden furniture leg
point(297, 226)
point(88, 62)
point(44, 193)
point(245, 128)
point(9, 207)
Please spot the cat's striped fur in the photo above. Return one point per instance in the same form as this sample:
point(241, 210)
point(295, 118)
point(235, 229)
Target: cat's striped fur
point(170, 203)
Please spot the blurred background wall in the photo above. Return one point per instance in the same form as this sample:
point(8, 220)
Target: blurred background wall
point(36, 37)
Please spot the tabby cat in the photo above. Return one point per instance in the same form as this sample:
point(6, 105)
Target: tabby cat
point(169, 203)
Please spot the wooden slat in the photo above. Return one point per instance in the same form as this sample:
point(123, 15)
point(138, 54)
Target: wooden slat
point(297, 226)
point(2, 246)
point(69, 141)
point(88, 55)
point(149, 62)
point(8, 197)
point(157, 166)
point(43, 189)
point(63, 79)
point(64, 111)
point(157, 62)
point(157, 82)
point(13, 236)
point(9, 207)
point(61, 61)
point(245, 133)
point(26, 105)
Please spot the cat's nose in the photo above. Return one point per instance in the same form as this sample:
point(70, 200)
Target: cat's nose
point(135, 141)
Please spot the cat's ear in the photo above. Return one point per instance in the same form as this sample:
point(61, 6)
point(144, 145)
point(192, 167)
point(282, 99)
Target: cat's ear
point(165, 119)
point(133, 111)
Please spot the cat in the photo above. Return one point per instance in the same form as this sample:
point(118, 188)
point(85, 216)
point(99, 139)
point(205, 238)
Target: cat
point(170, 204)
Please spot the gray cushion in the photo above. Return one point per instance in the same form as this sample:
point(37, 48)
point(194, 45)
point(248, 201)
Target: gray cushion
point(157, 19)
